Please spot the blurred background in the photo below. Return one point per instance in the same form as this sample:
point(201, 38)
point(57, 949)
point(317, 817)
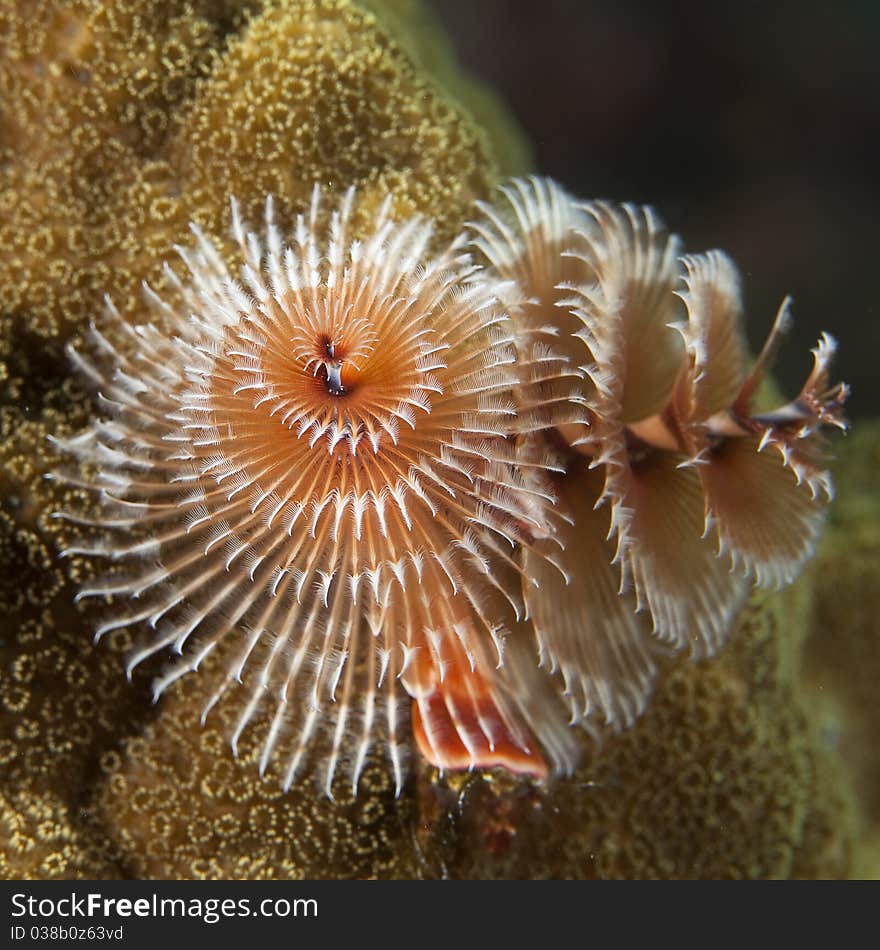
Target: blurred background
point(754, 127)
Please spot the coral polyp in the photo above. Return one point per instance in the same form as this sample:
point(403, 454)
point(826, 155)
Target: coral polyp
point(322, 474)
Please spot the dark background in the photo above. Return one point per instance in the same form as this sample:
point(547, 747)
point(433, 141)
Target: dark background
point(754, 127)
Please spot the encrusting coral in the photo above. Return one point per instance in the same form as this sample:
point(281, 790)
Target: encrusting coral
point(97, 782)
point(841, 659)
point(721, 777)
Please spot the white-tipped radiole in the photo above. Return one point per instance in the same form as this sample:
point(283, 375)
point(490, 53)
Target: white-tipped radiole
point(308, 465)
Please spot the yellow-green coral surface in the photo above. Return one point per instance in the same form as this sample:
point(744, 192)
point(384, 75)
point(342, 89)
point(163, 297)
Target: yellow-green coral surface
point(122, 121)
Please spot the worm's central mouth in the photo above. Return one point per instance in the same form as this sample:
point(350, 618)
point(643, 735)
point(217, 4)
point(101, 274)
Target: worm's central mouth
point(332, 373)
point(335, 367)
point(337, 359)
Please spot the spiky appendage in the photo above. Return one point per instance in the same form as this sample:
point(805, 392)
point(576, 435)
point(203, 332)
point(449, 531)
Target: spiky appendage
point(588, 633)
point(764, 475)
point(628, 313)
point(335, 483)
point(666, 388)
point(528, 239)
